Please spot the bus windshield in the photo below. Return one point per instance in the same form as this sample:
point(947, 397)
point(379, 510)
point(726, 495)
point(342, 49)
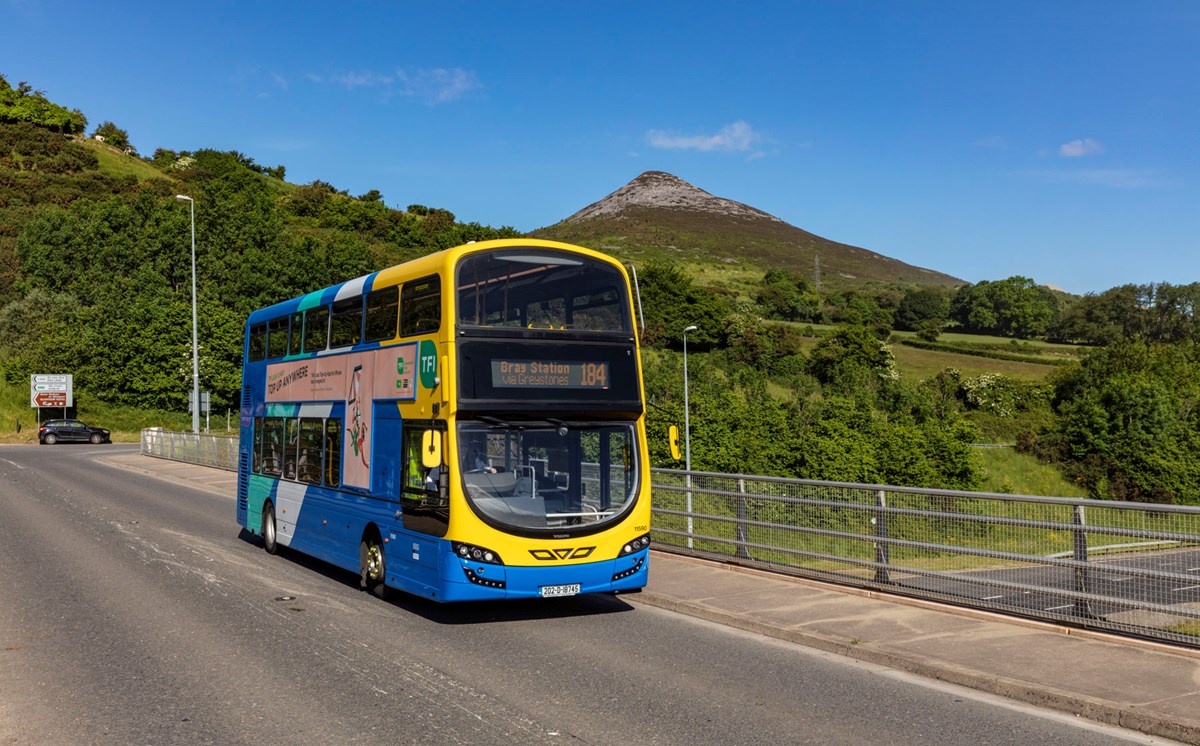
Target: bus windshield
point(538, 288)
point(548, 475)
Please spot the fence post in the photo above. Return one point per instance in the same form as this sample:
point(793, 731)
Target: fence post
point(1080, 554)
point(881, 532)
point(742, 551)
point(689, 509)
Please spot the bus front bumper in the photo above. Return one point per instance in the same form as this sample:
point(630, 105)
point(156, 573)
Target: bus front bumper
point(478, 581)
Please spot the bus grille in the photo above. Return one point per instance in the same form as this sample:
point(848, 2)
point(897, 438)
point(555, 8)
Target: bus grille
point(242, 489)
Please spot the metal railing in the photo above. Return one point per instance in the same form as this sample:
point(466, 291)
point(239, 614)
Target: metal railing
point(205, 449)
point(1130, 568)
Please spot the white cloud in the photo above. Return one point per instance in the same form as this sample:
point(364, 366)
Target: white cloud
point(437, 85)
point(1080, 148)
point(350, 81)
point(738, 137)
point(431, 85)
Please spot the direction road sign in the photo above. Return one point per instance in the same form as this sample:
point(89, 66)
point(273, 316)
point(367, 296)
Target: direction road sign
point(51, 390)
point(50, 399)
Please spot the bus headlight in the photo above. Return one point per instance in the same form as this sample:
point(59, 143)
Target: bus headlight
point(473, 553)
point(636, 545)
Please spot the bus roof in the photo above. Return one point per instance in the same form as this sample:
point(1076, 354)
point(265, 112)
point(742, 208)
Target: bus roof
point(419, 267)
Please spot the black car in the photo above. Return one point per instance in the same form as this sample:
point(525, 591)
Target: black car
point(70, 431)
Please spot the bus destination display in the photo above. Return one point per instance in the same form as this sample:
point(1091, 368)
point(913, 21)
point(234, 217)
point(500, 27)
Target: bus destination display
point(549, 374)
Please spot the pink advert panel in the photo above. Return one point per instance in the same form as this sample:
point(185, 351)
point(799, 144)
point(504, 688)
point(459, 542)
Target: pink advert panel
point(358, 379)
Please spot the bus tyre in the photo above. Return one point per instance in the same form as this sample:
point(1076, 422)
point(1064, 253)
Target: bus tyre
point(270, 541)
point(372, 572)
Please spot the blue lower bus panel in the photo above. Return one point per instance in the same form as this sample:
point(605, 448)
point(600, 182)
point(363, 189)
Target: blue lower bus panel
point(465, 580)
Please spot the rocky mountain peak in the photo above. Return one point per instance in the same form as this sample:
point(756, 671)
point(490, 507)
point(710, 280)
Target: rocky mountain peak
point(658, 189)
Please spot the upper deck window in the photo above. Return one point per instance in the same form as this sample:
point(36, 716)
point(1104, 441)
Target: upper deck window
point(536, 288)
point(316, 328)
point(277, 337)
point(383, 305)
point(258, 342)
point(345, 326)
point(421, 306)
point(295, 338)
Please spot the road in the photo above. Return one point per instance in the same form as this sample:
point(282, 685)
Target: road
point(133, 611)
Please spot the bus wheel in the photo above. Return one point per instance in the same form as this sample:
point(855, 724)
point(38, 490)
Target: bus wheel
point(270, 542)
point(371, 570)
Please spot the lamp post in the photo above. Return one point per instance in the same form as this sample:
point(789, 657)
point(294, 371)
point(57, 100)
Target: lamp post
point(687, 435)
point(195, 343)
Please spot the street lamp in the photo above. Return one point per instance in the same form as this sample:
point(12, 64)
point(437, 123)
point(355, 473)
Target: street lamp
point(195, 344)
point(687, 435)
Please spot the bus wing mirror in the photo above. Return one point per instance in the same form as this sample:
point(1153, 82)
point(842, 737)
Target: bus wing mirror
point(674, 437)
point(431, 449)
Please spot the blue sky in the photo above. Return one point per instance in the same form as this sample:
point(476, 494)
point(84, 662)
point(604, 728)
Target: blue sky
point(1054, 140)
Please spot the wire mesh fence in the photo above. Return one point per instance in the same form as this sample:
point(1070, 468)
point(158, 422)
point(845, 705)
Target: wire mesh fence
point(1124, 567)
point(205, 449)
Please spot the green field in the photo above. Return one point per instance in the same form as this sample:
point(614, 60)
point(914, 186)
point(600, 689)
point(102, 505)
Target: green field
point(1015, 473)
point(1001, 343)
point(918, 364)
point(116, 163)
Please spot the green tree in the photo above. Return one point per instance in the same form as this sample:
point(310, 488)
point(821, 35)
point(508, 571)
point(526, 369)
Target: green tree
point(23, 104)
point(1016, 307)
point(787, 296)
point(671, 303)
point(852, 359)
point(921, 307)
point(113, 135)
point(859, 308)
point(1128, 422)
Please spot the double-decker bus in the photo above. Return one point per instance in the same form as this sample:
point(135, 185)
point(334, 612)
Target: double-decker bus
point(468, 425)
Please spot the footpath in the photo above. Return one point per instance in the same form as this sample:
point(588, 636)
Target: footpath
point(1144, 686)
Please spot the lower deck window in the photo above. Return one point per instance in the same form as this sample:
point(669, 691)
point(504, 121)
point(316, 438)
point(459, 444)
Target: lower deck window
point(302, 449)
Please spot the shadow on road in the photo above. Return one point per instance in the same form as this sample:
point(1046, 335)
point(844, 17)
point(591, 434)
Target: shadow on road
point(466, 612)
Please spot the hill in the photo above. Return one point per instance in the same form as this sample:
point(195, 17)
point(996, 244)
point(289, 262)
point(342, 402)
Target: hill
point(660, 216)
point(95, 259)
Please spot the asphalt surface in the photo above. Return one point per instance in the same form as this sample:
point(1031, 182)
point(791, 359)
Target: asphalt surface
point(1147, 687)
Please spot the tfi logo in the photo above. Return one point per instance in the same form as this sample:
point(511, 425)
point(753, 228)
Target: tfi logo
point(550, 555)
point(427, 364)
